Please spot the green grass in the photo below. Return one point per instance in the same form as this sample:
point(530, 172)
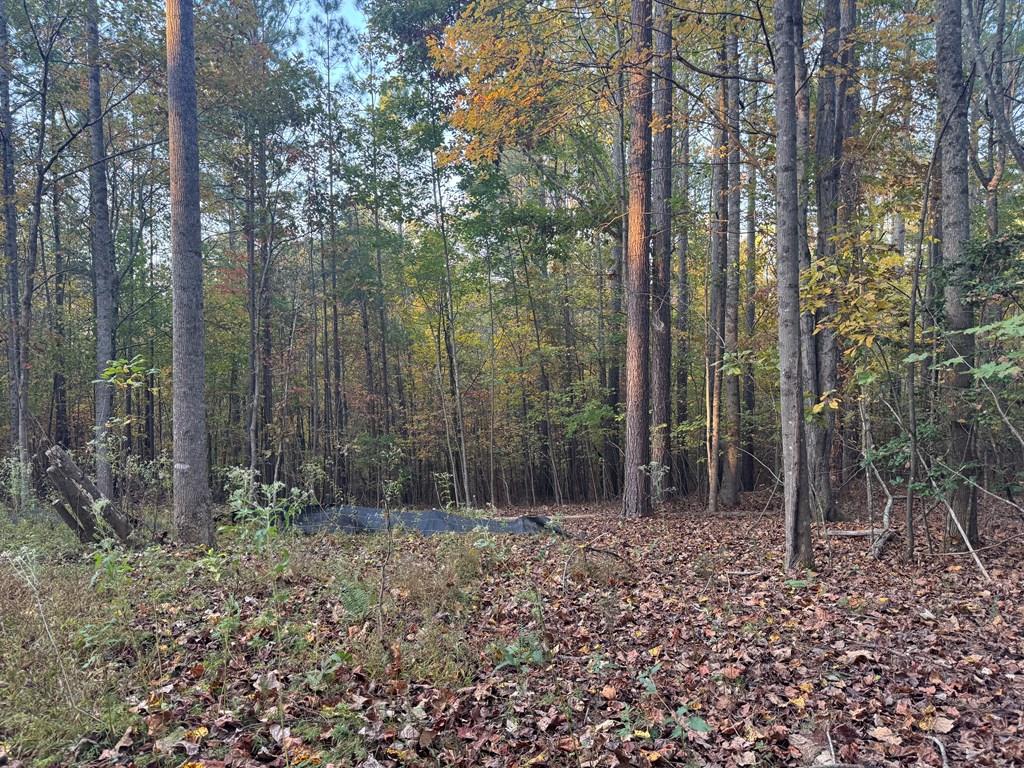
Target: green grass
point(96, 640)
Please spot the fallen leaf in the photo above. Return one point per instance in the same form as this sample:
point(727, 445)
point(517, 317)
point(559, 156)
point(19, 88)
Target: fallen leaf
point(885, 735)
point(732, 672)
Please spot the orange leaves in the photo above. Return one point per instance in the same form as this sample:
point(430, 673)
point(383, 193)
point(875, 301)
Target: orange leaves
point(524, 70)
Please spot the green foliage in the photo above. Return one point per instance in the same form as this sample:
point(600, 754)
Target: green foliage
point(58, 640)
point(356, 598)
point(994, 269)
point(128, 374)
point(111, 567)
point(795, 584)
point(345, 724)
point(527, 649)
point(261, 510)
point(590, 418)
point(321, 678)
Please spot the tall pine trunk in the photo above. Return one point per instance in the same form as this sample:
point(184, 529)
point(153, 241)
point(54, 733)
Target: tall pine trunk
point(749, 316)
point(192, 516)
point(682, 321)
point(636, 497)
point(716, 288)
point(661, 246)
point(61, 435)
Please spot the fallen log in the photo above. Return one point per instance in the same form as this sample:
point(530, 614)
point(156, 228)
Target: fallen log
point(855, 534)
point(81, 498)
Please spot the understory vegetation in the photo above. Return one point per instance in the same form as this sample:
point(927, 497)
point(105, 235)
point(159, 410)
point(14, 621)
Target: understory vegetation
point(496, 650)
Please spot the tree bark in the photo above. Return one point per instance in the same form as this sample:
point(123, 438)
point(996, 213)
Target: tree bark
point(749, 316)
point(682, 322)
point(61, 435)
point(820, 364)
point(611, 449)
point(959, 315)
point(636, 498)
point(40, 168)
point(731, 395)
point(799, 553)
point(104, 267)
point(717, 255)
point(10, 230)
point(192, 516)
point(83, 498)
point(661, 245)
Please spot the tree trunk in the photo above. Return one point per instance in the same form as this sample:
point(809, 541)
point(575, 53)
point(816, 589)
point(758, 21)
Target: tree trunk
point(340, 407)
point(716, 287)
point(61, 435)
point(959, 314)
point(382, 321)
point(749, 317)
point(82, 498)
point(818, 339)
point(682, 475)
point(28, 292)
point(799, 553)
point(731, 382)
point(449, 301)
point(661, 244)
point(102, 246)
point(191, 481)
point(10, 231)
point(151, 404)
point(611, 449)
point(848, 225)
point(636, 498)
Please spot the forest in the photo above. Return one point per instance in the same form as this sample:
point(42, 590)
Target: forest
point(512, 383)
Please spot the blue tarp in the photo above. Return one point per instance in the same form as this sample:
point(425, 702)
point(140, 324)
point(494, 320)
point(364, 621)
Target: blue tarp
point(351, 519)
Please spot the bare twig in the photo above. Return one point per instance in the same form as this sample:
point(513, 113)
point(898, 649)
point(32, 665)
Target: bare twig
point(942, 750)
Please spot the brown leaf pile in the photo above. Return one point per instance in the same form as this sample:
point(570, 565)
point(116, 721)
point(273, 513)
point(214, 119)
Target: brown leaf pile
point(672, 641)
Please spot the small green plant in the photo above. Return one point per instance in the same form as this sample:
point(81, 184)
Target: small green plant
point(646, 678)
point(658, 474)
point(443, 482)
point(347, 744)
point(321, 678)
point(227, 627)
point(356, 599)
point(804, 583)
point(128, 374)
point(262, 510)
point(110, 567)
point(600, 662)
point(526, 650)
point(16, 481)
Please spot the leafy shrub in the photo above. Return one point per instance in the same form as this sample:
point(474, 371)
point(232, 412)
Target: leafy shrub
point(262, 510)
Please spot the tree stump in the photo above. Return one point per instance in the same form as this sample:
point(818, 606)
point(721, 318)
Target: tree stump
point(81, 498)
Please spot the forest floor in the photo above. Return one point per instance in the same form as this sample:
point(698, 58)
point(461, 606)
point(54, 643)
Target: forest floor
point(673, 641)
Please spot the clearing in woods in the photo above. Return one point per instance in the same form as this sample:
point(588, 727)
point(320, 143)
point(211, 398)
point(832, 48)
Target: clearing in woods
point(671, 641)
